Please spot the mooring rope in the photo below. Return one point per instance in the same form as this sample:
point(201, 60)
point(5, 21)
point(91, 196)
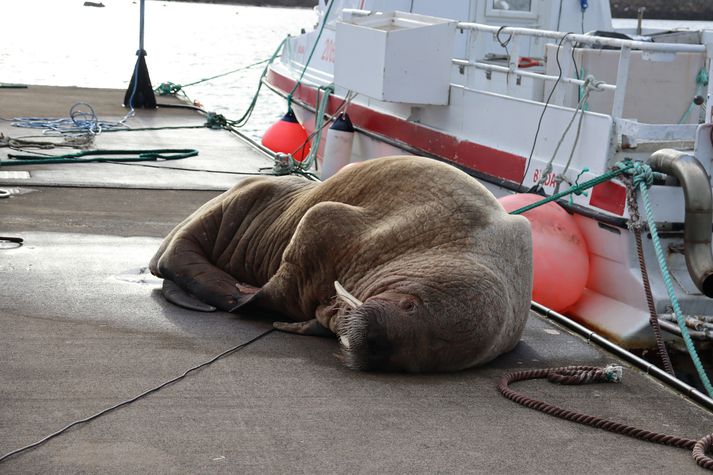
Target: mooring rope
point(169, 88)
point(587, 375)
point(635, 226)
point(579, 188)
point(642, 177)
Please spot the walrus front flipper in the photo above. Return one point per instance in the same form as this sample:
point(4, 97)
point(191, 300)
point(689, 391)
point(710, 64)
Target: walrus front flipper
point(186, 265)
point(310, 327)
point(177, 296)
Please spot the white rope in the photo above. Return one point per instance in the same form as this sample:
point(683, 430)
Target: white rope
point(590, 84)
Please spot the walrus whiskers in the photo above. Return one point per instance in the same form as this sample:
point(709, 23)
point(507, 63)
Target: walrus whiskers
point(352, 330)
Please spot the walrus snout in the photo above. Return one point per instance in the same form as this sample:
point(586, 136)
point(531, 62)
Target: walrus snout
point(362, 338)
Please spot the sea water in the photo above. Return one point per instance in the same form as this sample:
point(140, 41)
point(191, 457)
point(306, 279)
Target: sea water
point(63, 43)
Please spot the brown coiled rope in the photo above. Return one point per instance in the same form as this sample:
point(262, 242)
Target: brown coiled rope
point(592, 374)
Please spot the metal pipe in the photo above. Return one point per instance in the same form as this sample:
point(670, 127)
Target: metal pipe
point(699, 212)
point(640, 20)
point(673, 328)
point(528, 74)
point(141, 26)
point(595, 41)
point(655, 371)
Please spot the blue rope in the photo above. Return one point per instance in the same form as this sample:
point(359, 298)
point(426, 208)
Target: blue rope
point(643, 179)
point(82, 119)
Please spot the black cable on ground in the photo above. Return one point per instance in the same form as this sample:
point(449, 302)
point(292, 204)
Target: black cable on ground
point(190, 169)
point(136, 398)
point(182, 106)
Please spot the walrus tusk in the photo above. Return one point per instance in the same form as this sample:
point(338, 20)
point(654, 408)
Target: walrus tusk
point(346, 296)
point(176, 295)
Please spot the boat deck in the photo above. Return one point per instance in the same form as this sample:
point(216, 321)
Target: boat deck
point(83, 327)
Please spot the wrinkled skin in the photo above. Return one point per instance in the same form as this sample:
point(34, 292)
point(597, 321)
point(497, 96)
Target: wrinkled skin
point(441, 273)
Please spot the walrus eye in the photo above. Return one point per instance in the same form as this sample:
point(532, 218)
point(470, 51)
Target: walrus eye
point(407, 304)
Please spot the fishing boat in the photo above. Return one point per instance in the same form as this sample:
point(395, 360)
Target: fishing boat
point(535, 96)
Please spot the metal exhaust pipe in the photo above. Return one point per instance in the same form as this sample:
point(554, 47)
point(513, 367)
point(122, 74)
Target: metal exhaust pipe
point(699, 212)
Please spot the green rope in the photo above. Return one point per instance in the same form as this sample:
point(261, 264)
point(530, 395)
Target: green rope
point(311, 53)
point(701, 82)
point(643, 180)
point(169, 88)
point(327, 90)
point(125, 156)
point(244, 118)
point(215, 121)
point(576, 184)
point(218, 121)
point(578, 188)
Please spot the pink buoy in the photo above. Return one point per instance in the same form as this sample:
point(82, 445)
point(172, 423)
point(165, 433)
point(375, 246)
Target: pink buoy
point(287, 136)
point(560, 257)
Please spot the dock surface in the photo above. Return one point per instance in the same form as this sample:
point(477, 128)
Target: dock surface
point(83, 327)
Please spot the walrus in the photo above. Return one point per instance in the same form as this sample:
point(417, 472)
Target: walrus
point(410, 262)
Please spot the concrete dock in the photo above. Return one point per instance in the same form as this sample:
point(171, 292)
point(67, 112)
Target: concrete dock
point(83, 327)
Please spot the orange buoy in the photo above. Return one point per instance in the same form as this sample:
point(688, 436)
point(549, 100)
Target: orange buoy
point(287, 136)
point(560, 258)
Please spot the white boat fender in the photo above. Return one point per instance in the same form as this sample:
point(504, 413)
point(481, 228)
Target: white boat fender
point(338, 148)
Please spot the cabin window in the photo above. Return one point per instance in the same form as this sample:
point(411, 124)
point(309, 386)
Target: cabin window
point(511, 8)
point(515, 5)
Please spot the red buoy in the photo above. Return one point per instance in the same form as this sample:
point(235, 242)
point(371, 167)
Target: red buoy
point(560, 258)
point(287, 136)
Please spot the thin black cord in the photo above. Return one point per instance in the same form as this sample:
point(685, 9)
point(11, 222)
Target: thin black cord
point(576, 72)
point(504, 44)
point(186, 169)
point(334, 116)
point(136, 398)
point(547, 103)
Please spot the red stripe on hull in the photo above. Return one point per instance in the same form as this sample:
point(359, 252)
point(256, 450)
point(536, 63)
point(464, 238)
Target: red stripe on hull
point(609, 196)
point(475, 156)
point(481, 158)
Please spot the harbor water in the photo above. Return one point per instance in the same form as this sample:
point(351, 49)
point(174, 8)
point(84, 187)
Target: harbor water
point(63, 43)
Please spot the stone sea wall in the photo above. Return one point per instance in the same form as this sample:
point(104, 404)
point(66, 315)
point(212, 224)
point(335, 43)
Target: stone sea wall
point(699, 10)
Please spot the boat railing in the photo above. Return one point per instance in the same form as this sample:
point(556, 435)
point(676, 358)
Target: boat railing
point(567, 41)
